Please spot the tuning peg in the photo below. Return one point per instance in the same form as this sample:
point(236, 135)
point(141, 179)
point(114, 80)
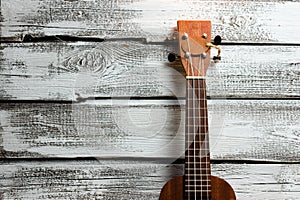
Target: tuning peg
point(172, 57)
point(216, 58)
point(215, 44)
point(217, 40)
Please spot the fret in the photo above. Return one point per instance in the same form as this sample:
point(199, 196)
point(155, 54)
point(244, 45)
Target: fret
point(192, 148)
point(198, 153)
point(196, 112)
point(197, 162)
point(205, 175)
point(197, 117)
point(195, 189)
point(199, 184)
point(198, 175)
point(198, 149)
point(195, 108)
point(193, 131)
point(192, 136)
point(204, 186)
point(204, 181)
point(196, 88)
point(188, 190)
point(195, 97)
point(197, 134)
point(195, 169)
point(195, 153)
point(202, 147)
point(197, 126)
point(202, 167)
point(199, 158)
point(197, 141)
point(196, 120)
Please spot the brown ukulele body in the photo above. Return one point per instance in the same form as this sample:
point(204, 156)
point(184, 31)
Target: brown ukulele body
point(174, 189)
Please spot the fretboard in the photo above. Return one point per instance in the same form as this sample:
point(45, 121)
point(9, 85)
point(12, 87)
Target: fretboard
point(197, 158)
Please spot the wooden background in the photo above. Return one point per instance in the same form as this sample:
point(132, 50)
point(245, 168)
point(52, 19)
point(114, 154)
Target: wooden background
point(83, 118)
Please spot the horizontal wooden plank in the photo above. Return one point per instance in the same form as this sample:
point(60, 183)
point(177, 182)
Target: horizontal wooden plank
point(249, 21)
point(72, 71)
point(130, 180)
point(239, 130)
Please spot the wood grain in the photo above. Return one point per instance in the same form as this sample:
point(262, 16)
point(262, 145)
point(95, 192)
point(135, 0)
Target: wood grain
point(247, 21)
point(109, 179)
point(89, 90)
point(258, 130)
point(72, 71)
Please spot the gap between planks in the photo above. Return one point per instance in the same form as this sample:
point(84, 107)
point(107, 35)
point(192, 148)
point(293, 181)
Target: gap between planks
point(70, 38)
point(158, 160)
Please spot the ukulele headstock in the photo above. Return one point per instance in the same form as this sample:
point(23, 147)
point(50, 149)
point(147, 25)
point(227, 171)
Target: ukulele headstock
point(194, 45)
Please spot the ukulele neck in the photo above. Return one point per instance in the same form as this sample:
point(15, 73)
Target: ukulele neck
point(197, 157)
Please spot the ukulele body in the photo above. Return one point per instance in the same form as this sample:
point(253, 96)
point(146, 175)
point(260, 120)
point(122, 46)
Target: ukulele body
point(173, 189)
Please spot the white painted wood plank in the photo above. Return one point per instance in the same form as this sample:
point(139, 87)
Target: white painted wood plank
point(247, 21)
point(239, 130)
point(130, 180)
point(68, 71)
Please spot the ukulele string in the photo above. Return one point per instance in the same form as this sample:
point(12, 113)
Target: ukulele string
point(200, 68)
point(200, 127)
point(195, 127)
point(188, 130)
point(204, 127)
point(190, 66)
point(194, 131)
point(205, 140)
point(194, 120)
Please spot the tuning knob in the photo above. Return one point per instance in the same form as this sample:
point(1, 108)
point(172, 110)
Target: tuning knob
point(217, 58)
point(215, 44)
point(217, 40)
point(172, 57)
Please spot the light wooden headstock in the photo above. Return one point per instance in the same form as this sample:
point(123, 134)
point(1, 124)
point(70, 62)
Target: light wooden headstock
point(194, 46)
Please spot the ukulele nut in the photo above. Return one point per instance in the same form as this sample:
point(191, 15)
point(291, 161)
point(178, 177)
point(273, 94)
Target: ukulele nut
point(185, 36)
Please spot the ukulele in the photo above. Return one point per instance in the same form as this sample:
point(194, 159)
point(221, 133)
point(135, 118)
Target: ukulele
point(197, 183)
